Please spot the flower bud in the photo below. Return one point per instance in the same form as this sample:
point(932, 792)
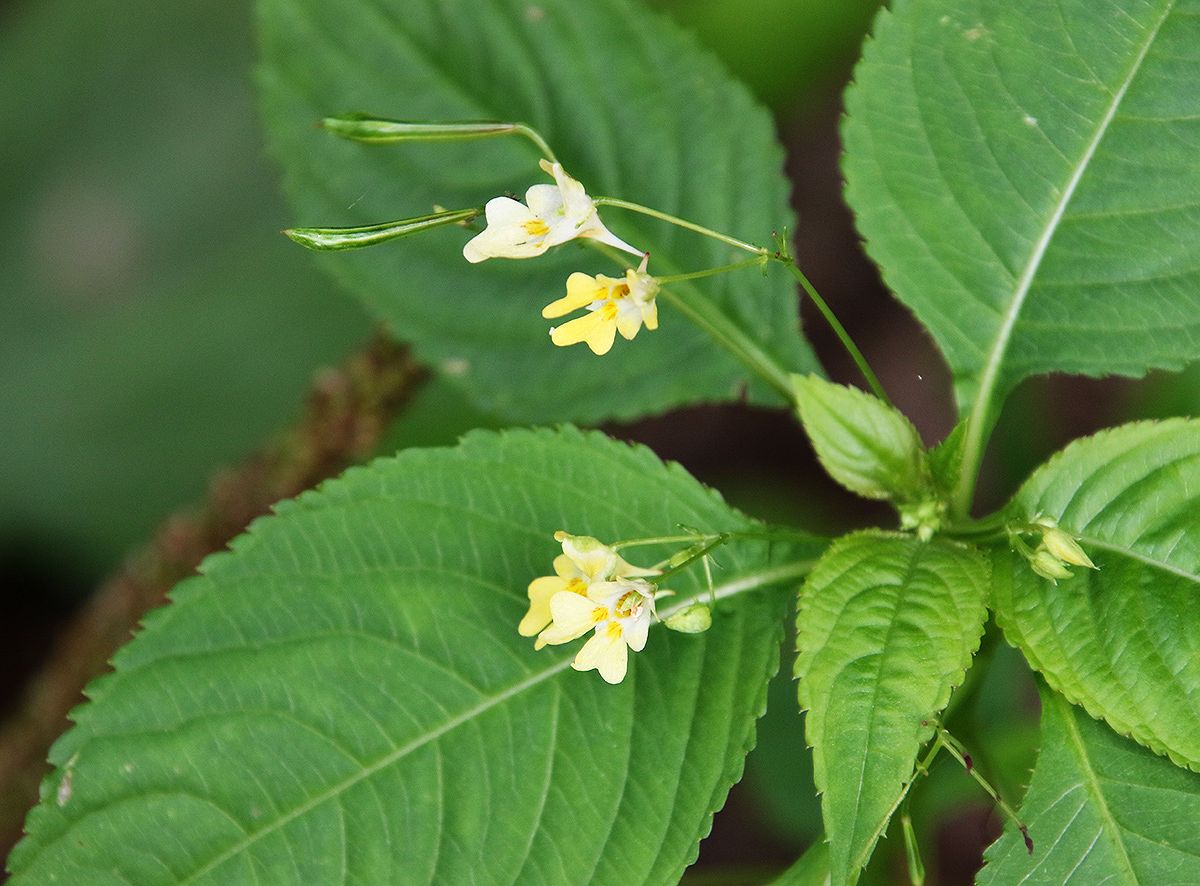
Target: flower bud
point(1048, 566)
point(362, 128)
point(1065, 548)
point(696, 619)
point(333, 239)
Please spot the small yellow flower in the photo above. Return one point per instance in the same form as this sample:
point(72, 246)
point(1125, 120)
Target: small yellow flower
point(617, 612)
point(583, 563)
point(551, 215)
point(614, 305)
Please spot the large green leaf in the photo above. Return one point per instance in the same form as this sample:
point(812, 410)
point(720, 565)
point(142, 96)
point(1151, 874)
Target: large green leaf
point(632, 108)
point(886, 627)
point(1026, 178)
point(1100, 809)
point(1123, 641)
point(344, 697)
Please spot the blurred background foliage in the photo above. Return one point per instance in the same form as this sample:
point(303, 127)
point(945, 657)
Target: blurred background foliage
point(156, 326)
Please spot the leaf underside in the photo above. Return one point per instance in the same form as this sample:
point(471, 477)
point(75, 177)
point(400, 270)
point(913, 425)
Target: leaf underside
point(344, 697)
point(632, 108)
point(1124, 640)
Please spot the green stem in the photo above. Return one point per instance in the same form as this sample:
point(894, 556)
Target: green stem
point(991, 528)
point(839, 330)
point(979, 428)
point(536, 137)
point(956, 750)
point(696, 554)
point(712, 272)
point(751, 581)
point(768, 534)
point(680, 222)
point(703, 313)
point(660, 540)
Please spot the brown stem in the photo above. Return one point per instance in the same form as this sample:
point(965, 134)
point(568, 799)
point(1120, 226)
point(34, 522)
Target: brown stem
point(348, 410)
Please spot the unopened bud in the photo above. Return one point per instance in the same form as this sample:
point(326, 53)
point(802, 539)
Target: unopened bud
point(363, 128)
point(696, 619)
point(1065, 548)
point(332, 239)
point(1048, 566)
point(687, 554)
point(925, 517)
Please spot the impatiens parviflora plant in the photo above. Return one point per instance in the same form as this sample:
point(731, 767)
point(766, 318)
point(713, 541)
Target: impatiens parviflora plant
point(378, 683)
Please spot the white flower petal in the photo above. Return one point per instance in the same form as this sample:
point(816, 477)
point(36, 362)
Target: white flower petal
point(544, 201)
point(636, 629)
point(506, 211)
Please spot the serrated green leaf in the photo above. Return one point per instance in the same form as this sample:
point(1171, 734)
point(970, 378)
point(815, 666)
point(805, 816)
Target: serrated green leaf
point(867, 445)
point(1123, 640)
point(631, 107)
point(886, 628)
point(344, 697)
point(1025, 177)
point(1100, 809)
point(945, 459)
point(810, 869)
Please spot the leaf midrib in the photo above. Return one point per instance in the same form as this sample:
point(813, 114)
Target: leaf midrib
point(979, 421)
point(1133, 554)
point(1092, 784)
point(747, 582)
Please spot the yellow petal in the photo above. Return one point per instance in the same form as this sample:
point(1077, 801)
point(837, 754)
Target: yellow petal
point(574, 615)
point(582, 290)
point(600, 339)
point(577, 330)
point(540, 591)
point(606, 652)
point(650, 316)
point(593, 559)
point(565, 568)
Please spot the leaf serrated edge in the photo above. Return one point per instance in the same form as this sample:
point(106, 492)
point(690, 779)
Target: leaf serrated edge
point(737, 768)
point(1012, 634)
point(952, 683)
point(316, 498)
point(1113, 722)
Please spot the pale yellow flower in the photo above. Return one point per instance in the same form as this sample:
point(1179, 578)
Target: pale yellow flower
point(617, 612)
point(551, 215)
point(614, 305)
point(583, 562)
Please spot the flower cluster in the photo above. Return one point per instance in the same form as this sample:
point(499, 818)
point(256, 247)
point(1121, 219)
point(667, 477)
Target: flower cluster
point(614, 305)
point(550, 216)
point(1055, 552)
point(594, 589)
